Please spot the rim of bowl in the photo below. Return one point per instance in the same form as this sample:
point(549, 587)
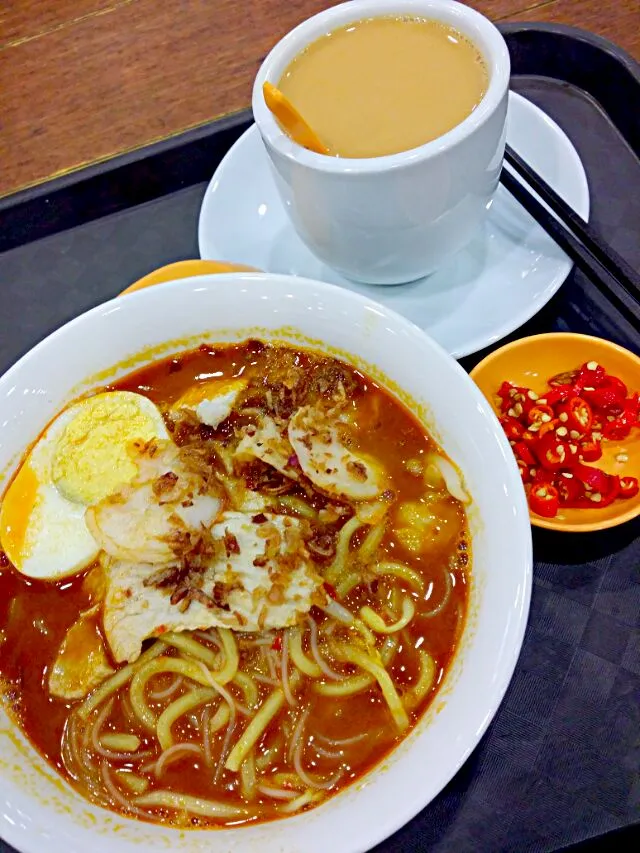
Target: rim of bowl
point(473, 24)
point(385, 825)
point(521, 343)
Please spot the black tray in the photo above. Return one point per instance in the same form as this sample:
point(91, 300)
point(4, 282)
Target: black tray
point(559, 765)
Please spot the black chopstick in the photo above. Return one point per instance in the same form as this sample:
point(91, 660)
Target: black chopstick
point(613, 276)
point(602, 251)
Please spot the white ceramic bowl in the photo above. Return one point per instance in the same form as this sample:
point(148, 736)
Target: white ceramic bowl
point(40, 812)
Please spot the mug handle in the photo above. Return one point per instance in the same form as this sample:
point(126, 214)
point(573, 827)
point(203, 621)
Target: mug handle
point(185, 269)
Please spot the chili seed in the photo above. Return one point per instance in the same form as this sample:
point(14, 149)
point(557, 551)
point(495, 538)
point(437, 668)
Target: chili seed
point(512, 392)
point(532, 395)
point(567, 475)
point(534, 427)
point(564, 417)
point(622, 457)
point(561, 431)
point(596, 497)
point(597, 436)
point(512, 443)
point(573, 433)
point(545, 418)
point(589, 389)
point(592, 365)
point(541, 492)
point(573, 448)
point(511, 413)
point(532, 471)
point(517, 409)
point(519, 397)
point(542, 401)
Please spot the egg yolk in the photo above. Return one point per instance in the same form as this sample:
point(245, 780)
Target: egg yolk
point(17, 506)
point(92, 458)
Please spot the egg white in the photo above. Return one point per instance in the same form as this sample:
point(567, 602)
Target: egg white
point(211, 402)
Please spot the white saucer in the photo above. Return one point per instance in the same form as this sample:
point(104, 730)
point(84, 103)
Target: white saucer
point(508, 272)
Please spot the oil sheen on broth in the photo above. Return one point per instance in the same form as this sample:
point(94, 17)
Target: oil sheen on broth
point(273, 595)
point(384, 85)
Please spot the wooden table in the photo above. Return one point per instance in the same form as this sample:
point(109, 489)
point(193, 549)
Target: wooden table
point(83, 80)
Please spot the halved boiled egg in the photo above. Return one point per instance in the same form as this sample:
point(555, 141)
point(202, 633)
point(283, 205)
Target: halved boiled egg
point(211, 402)
point(81, 458)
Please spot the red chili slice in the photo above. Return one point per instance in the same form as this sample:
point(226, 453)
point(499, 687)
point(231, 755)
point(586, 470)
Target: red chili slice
point(606, 399)
point(602, 488)
point(594, 478)
point(558, 394)
point(505, 389)
point(570, 489)
point(523, 451)
point(525, 471)
point(617, 430)
point(589, 450)
point(507, 392)
point(617, 384)
point(613, 491)
point(277, 644)
point(621, 426)
point(512, 427)
point(544, 500)
point(575, 413)
point(628, 487)
point(590, 377)
point(544, 477)
point(552, 453)
point(540, 413)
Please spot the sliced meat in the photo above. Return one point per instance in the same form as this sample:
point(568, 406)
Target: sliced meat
point(262, 578)
point(270, 445)
point(318, 438)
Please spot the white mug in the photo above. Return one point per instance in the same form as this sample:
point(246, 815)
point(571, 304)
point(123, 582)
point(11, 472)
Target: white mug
point(395, 218)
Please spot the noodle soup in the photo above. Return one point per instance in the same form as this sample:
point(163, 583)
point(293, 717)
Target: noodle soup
point(229, 584)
